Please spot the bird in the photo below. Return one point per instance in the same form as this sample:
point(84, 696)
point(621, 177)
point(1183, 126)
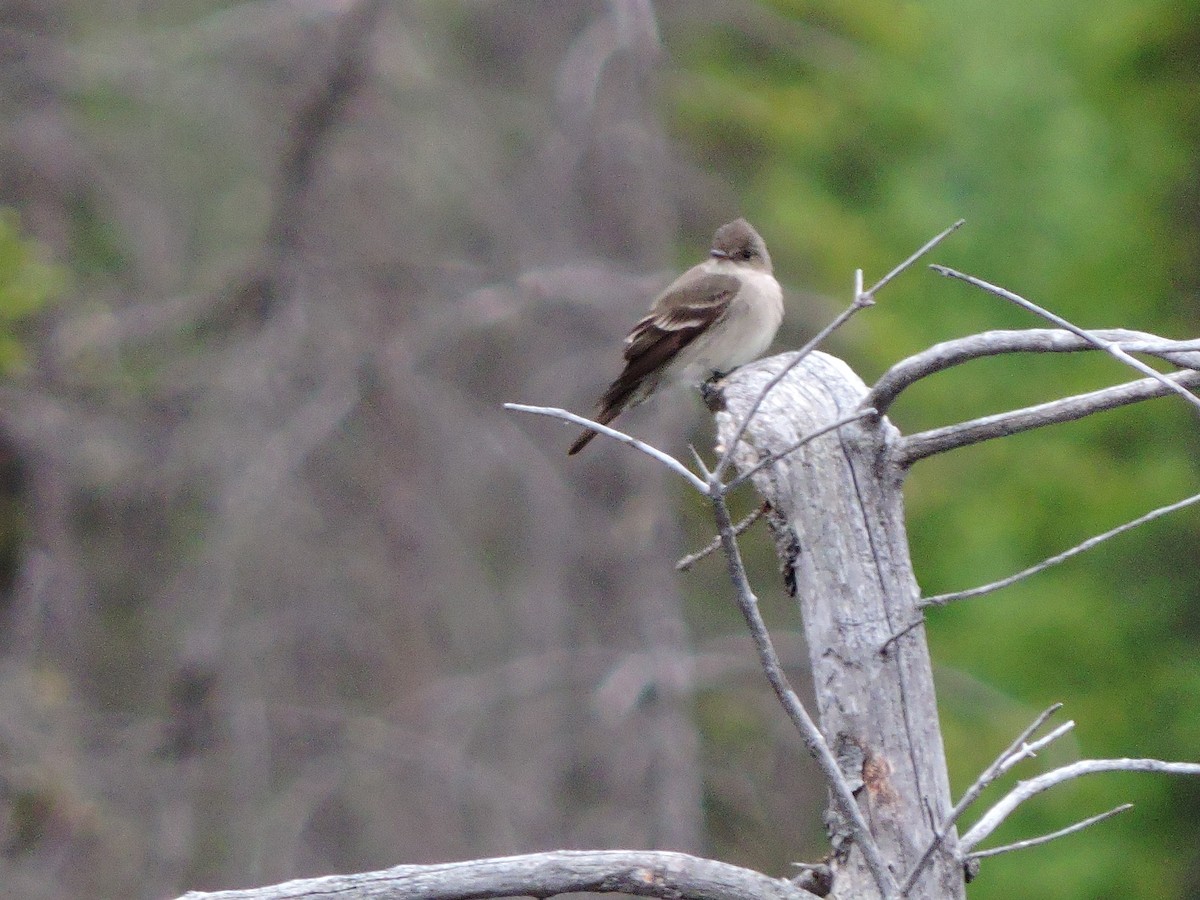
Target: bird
point(716, 316)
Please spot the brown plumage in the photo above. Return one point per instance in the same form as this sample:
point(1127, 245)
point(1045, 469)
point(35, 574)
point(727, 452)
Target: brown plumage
point(713, 318)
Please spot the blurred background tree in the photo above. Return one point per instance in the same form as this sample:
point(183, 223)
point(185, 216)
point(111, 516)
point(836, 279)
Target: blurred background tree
point(288, 593)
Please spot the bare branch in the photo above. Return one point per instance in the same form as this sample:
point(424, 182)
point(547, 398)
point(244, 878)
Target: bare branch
point(665, 458)
point(814, 741)
point(715, 544)
point(1014, 751)
point(947, 354)
point(1109, 347)
point(862, 299)
point(1067, 409)
point(943, 599)
point(1034, 786)
point(641, 873)
point(1046, 838)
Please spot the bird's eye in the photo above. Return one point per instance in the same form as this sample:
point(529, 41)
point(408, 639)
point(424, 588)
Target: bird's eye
point(748, 253)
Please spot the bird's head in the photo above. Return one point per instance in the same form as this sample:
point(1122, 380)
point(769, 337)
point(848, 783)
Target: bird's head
point(739, 243)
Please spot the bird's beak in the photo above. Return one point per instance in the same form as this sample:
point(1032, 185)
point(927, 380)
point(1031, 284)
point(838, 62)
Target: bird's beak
point(718, 254)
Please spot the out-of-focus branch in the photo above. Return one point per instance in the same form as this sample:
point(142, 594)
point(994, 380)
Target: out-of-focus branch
point(317, 116)
point(313, 123)
point(284, 451)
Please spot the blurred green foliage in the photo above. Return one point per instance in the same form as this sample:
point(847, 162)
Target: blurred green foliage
point(1066, 135)
point(27, 283)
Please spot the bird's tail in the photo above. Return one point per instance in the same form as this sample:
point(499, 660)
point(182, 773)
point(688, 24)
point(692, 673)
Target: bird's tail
point(604, 415)
point(621, 394)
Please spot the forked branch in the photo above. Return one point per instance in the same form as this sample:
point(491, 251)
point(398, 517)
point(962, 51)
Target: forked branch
point(686, 562)
point(1025, 790)
point(814, 740)
point(1016, 751)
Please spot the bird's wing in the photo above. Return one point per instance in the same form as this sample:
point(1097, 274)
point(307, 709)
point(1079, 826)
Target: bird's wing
point(681, 313)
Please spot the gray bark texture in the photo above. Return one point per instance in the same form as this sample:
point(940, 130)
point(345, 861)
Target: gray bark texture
point(640, 873)
point(838, 519)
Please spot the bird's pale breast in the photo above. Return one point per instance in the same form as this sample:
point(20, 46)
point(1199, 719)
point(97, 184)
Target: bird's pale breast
point(742, 334)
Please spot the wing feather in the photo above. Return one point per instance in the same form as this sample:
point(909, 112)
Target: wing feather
point(678, 316)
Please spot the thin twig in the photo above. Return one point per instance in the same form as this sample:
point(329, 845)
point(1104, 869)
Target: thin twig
point(1046, 838)
point(917, 254)
point(886, 645)
point(1034, 786)
point(665, 458)
point(989, 775)
point(1030, 750)
point(776, 457)
point(1109, 347)
point(739, 529)
point(814, 741)
point(862, 299)
point(943, 599)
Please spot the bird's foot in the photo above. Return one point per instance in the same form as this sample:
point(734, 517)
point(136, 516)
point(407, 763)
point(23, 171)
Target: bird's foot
point(713, 397)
